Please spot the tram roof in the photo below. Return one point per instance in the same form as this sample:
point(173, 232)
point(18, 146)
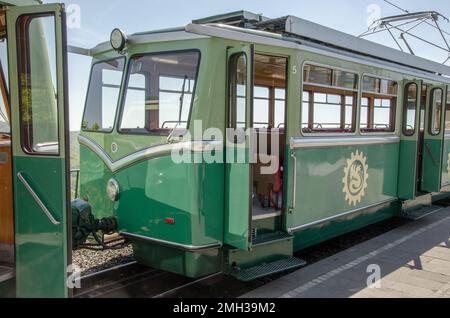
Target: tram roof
point(288, 31)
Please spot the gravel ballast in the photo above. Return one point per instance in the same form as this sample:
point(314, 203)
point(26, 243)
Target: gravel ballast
point(91, 261)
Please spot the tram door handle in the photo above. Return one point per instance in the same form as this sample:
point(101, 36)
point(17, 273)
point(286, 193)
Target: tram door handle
point(431, 154)
point(294, 181)
point(37, 199)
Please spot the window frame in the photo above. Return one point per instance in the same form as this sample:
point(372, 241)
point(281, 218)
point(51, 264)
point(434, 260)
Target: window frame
point(285, 101)
point(4, 91)
point(122, 97)
point(356, 94)
point(287, 58)
point(395, 113)
point(104, 131)
point(231, 116)
point(431, 112)
point(447, 95)
point(404, 108)
point(20, 49)
point(268, 100)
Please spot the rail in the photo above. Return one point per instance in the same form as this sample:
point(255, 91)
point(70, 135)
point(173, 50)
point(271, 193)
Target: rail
point(37, 199)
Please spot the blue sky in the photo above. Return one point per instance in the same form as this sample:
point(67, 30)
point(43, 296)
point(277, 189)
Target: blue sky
point(99, 17)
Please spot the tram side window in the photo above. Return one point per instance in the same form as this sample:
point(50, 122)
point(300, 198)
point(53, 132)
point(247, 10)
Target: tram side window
point(38, 83)
point(4, 118)
point(261, 107)
point(435, 111)
point(378, 105)
point(103, 95)
point(410, 110)
point(4, 110)
point(447, 112)
point(159, 92)
point(136, 98)
point(237, 91)
point(269, 91)
point(280, 105)
point(329, 100)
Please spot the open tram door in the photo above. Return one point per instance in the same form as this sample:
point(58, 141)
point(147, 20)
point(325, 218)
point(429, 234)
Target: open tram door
point(238, 191)
point(38, 97)
point(433, 139)
point(409, 141)
point(422, 139)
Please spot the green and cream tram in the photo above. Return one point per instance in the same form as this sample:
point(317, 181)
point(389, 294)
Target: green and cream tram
point(222, 146)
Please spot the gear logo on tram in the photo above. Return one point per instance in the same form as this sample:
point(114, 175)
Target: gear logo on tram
point(355, 178)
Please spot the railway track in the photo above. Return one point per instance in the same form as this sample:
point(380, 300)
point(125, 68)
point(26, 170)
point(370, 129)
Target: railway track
point(134, 280)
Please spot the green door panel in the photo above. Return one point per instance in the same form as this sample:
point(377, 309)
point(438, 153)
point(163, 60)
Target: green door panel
point(433, 146)
point(37, 73)
point(445, 178)
point(237, 220)
point(407, 169)
point(41, 246)
point(322, 191)
point(407, 172)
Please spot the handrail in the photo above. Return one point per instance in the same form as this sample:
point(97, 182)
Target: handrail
point(37, 199)
point(435, 161)
point(294, 186)
point(183, 247)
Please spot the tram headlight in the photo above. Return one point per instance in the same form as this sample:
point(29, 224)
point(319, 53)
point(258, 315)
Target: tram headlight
point(118, 40)
point(113, 189)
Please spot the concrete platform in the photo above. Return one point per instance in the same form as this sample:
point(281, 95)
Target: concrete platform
point(412, 261)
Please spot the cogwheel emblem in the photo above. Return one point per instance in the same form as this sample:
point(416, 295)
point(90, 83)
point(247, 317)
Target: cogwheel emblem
point(356, 174)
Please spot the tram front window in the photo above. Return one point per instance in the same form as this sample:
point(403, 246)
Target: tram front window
point(159, 92)
point(103, 95)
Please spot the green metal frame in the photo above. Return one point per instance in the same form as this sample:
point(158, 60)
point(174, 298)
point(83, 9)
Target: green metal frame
point(238, 176)
point(40, 181)
point(433, 145)
point(409, 149)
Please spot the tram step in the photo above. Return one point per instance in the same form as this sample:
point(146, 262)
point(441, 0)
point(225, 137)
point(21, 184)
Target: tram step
point(265, 269)
point(271, 237)
point(423, 212)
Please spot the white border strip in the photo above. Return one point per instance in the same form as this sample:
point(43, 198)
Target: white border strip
point(317, 142)
point(147, 153)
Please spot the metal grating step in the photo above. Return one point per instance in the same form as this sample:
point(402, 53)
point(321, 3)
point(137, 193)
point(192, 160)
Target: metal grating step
point(423, 212)
point(270, 237)
point(252, 273)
